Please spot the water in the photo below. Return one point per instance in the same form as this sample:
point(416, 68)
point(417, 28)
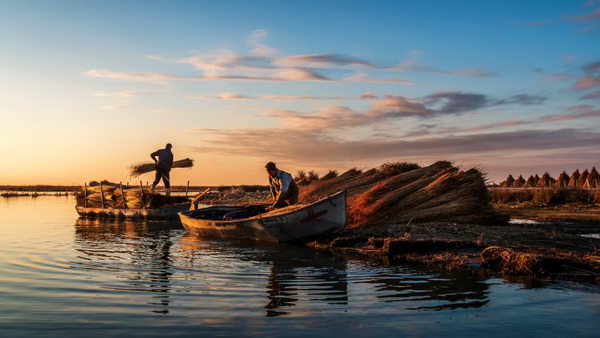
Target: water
point(60, 275)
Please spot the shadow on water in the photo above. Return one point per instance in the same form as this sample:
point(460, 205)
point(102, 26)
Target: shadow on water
point(160, 258)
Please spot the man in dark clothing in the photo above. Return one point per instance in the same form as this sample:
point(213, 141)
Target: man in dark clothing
point(283, 188)
point(163, 167)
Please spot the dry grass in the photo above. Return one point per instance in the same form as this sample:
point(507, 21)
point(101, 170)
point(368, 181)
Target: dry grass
point(548, 196)
point(144, 168)
point(133, 199)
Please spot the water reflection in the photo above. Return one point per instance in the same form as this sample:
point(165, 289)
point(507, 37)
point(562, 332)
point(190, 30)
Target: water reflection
point(160, 258)
point(146, 244)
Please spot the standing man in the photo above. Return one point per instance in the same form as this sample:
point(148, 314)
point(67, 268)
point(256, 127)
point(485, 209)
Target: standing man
point(163, 167)
point(283, 188)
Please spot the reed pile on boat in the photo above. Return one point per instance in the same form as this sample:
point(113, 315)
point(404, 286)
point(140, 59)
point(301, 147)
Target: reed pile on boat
point(144, 168)
point(111, 196)
point(439, 192)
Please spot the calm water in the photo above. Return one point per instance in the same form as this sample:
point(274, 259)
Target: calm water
point(63, 276)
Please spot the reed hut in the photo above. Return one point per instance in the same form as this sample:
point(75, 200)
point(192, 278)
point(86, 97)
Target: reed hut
point(574, 179)
point(531, 182)
point(582, 178)
point(519, 182)
point(593, 179)
point(562, 181)
point(537, 179)
point(546, 181)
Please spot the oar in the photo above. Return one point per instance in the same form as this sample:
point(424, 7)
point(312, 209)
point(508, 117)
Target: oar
point(197, 198)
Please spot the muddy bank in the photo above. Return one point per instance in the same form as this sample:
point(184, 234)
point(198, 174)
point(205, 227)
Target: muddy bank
point(531, 250)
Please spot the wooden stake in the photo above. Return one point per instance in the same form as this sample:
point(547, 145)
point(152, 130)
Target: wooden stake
point(102, 195)
point(85, 201)
point(123, 195)
point(187, 188)
point(142, 191)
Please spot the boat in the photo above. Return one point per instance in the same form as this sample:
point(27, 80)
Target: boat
point(165, 212)
point(168, 208)
point(253, 222)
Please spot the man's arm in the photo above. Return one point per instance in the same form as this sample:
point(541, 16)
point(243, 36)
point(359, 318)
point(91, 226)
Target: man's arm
point(286, 180)
point(153, 156)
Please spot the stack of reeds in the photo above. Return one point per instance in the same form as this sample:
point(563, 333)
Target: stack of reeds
point(593, 179)
point(439, 192)
point(144, 168)
point(111, 196)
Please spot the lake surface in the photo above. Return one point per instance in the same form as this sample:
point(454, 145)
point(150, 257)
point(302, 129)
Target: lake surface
point(60, 275)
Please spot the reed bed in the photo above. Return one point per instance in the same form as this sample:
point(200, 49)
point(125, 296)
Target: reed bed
point(548, 196)
point(144, 168)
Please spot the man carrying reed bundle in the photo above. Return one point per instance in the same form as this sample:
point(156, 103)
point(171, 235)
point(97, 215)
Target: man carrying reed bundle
point(163, 167)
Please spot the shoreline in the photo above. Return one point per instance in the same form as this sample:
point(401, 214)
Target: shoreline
point(546, 246)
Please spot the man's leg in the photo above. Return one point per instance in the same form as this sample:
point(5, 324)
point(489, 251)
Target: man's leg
point(157, 177)
point(167, 181)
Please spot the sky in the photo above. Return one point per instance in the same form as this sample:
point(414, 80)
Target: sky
point(89, 88)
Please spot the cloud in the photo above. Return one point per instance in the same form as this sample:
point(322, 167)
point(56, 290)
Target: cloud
point(256, 39)
point(522, 99)
point(127, 93)
point(587, 82)
point(323, 61)
point(234, 96)
point(591, 78)
point(593, 95)
point(318, 147)
point(589, 18)
point(554, 76)
point(456, 102)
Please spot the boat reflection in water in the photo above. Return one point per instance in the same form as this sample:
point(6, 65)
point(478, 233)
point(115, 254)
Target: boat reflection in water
point(231, 279)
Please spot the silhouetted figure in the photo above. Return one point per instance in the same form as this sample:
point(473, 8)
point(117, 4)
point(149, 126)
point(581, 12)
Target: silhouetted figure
point(163, 167)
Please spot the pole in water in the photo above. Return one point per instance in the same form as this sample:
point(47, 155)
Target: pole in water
point(187, 188)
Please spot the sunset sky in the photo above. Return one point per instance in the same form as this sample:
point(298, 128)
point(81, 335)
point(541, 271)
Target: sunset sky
point(92, 87)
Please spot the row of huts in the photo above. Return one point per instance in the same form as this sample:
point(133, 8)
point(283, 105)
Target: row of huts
point(586, 179)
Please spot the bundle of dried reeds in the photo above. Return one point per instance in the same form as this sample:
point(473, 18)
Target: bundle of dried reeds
point(111, 197)
point(144, 168)
point(439, 192)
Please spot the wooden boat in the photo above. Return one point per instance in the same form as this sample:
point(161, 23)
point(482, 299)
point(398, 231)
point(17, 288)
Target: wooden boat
point(251, 222)
point(166, 212)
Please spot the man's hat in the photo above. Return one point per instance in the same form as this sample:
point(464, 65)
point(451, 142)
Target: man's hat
point(271, 166)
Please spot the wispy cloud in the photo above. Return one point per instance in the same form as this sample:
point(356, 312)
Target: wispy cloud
point(591, 77)
point(263, 63)
point(300, 146)
point(240, 97)
point(123, 94)
point(590, 19)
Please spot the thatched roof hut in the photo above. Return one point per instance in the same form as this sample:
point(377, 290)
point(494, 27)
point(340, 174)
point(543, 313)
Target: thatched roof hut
point(574, 178)
point(546, 181)
point(562, 181)
point(519, 182)
point(593, 179)
point(531, 182)
point(582, 178)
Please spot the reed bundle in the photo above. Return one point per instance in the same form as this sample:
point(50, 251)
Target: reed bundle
point(439, 192)
point(110, 196)
point(144, 168)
